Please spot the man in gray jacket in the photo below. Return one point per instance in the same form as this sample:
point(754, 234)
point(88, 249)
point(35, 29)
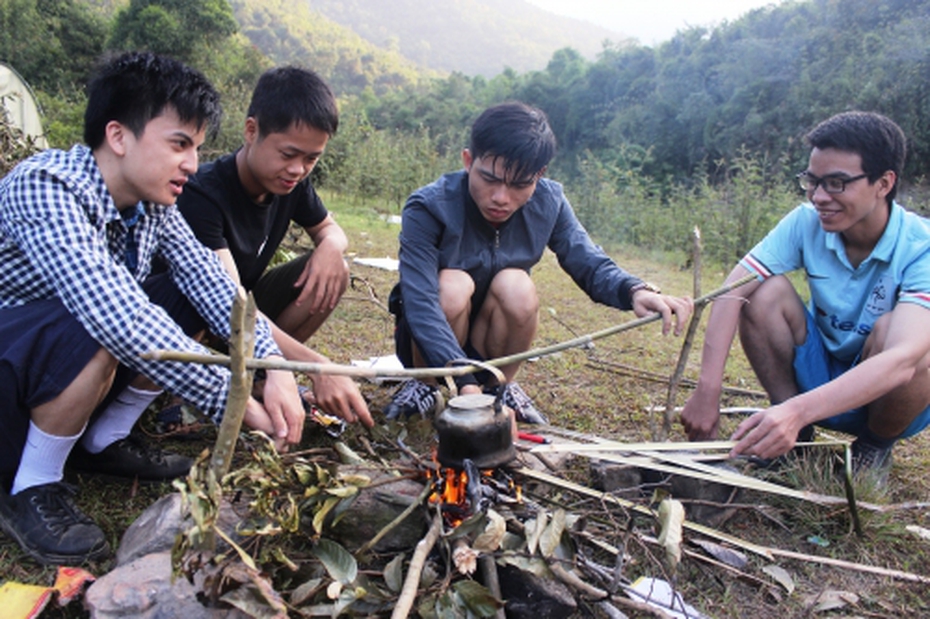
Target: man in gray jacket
point(467, 244)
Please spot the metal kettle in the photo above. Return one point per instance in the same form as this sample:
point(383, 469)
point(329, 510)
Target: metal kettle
point(475, 426)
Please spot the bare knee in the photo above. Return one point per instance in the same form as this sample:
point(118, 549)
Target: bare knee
point(515, 294)
point(456, 288)
point(774, 305)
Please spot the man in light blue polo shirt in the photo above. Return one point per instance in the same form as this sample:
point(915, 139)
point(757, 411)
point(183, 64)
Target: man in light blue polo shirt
point(856, 358)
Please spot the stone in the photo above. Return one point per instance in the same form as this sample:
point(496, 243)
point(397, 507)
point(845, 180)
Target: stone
point(527, 596)
point(710, 498)
point(144, 589)
point(158, 526)
point(375, 508)
point(620, 479)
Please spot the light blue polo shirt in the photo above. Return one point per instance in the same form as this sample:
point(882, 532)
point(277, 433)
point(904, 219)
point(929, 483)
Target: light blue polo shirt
point(846, 301)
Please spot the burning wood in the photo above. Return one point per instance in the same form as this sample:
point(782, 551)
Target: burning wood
point(462, 493)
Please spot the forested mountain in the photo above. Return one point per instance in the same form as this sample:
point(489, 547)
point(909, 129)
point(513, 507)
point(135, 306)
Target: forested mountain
point(753, 85)
point(291, 31)
point(477, 37)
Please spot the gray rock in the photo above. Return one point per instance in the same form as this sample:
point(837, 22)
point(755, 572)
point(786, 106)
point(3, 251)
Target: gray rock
point(143, 589)
point(155, 530)
point(527, 596)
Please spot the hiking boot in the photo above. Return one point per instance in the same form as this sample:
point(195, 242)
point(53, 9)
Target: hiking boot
point(413, 398)
point(133, 458)
point(872, 461)
point(516, 398)
point(49, 527)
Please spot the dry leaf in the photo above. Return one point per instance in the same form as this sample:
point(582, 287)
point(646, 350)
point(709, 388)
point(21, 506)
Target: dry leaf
point(781, 575)
point(671, 518)
point(831, 599)
point(465, 558)
point(731, 557)
point(490, 539)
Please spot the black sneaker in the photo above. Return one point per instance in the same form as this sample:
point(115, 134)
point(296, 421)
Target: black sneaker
point(522, 405)
point(49, 527)
point(871, 461)
point(413, 398)
point(133, 458)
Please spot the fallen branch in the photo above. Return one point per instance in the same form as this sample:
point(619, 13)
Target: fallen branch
point(408, 592)
point(595, 593)
point(688, 343)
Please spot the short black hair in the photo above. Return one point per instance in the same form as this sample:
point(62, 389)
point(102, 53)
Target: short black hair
point(517, 133)
point(875, 138)
point(135, 87)
point(285, 96)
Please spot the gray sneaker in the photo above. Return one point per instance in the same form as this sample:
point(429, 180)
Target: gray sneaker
point(522, 405)
point(870, 460)
point(49, 527)
point(413, 398)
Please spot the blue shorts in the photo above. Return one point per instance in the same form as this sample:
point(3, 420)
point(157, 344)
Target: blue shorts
point(42, 350)
point(815, 366)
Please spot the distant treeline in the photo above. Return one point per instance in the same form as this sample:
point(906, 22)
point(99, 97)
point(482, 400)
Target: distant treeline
point(706, 128)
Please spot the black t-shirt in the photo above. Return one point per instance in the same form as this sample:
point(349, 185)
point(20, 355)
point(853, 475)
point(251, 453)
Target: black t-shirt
point(222, 215)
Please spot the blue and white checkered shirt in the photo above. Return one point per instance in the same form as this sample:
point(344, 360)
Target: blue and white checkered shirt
point(61, 235)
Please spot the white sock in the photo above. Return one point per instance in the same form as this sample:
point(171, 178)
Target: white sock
point(43, 459)
point(116, 421)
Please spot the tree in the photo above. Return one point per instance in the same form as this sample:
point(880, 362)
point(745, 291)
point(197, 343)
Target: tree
point(173, 27)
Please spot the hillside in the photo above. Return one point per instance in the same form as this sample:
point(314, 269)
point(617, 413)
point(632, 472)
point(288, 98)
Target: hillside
point(290, 32)
point(474, 37)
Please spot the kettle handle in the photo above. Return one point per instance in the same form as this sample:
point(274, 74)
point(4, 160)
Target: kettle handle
point(501, 380)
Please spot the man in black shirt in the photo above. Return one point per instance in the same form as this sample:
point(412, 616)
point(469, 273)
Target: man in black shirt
point(242, 204)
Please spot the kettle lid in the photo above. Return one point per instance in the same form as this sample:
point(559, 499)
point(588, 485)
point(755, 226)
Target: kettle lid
point(472, 401)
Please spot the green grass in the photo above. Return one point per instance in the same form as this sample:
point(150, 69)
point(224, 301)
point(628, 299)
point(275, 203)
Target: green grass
point(599, 391)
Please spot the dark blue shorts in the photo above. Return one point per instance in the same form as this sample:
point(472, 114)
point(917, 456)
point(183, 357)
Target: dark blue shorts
point(42, 350)
point(815, 366)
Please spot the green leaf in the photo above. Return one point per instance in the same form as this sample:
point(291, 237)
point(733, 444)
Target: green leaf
point(477, 598)
point(339, 563)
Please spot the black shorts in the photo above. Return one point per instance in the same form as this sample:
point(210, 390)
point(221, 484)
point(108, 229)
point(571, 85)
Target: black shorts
point(275, 289)
point(42, 350)
point(403, 339)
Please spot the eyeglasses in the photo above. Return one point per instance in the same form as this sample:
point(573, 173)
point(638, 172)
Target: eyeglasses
point(830, 184)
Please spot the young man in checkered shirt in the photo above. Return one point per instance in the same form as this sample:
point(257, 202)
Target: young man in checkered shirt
point(78, 303)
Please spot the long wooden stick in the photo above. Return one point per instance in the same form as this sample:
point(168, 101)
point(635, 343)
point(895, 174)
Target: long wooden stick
point(408, 592)
point(348, 370)
point(242, 345)
point(688, 343)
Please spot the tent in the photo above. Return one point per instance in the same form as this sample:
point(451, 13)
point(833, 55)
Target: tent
point(21, 105)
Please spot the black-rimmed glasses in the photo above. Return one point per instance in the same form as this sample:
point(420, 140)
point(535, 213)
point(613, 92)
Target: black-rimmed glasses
point(830, 184)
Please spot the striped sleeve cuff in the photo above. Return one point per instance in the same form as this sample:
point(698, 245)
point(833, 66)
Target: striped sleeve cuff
point(754, 265)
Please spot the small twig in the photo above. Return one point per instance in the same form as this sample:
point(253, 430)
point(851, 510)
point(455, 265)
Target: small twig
point(408, 592)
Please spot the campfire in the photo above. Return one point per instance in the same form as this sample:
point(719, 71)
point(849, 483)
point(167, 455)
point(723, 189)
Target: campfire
point(462, 493)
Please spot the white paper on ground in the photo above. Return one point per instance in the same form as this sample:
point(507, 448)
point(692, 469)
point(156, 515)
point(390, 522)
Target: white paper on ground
point(389, 362)
point(658, 593)
point(387, 264)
